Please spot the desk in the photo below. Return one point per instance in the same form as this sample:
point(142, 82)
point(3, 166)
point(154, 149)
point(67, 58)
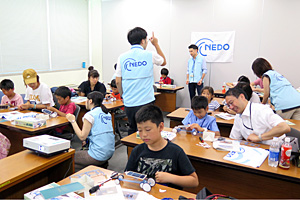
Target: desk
point(224, 125)
point(26, 171)
point(170, 192)
point(16, 133)
point(225, 177)
point(167, 99)
point(179, 114)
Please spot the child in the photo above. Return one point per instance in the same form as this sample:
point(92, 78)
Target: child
point(240, 79)
point(159, 158)
point(38, 94)
point(208, 92)
point(10, 97)
point(63, 96)
point(97, 127)
point(164, 79)
point(115, 92)
point(198, 117)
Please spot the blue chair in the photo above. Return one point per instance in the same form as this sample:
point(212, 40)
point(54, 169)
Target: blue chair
point(23, 96)
point(1, 95)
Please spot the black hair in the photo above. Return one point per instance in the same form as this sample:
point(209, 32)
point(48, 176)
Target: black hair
point(6, 84)
point(97, 99)
point(164, 71)
point(92, 72)
point(235, 92)
point(149, 112)
point(136, 35)
point(247, 88)
point(113, 83)
point(244, 79)
point(260, 66)
point(192, 46)
point(210, 90)
point(63, 92)
point(199, 102)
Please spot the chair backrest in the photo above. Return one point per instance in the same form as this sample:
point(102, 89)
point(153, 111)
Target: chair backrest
point(155, 88)
point(1, 95)
point(4, 146)
point(23, 96)
point(76, 112)
point(172, 81)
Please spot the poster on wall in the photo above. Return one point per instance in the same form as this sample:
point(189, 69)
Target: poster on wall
point(215, 46)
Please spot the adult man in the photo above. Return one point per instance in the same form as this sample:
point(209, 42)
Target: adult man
point(195, 72)
point(134, 73)
point(254, 122)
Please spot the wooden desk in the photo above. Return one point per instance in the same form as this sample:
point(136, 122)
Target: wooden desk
point(225, 177)
point(26, 171)
point(225, 126)
point(179, 114)
point(170, 192)
point(16, 134)
point(167, 99)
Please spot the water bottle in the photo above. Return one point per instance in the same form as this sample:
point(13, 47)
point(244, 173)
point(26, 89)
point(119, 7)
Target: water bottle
point(286, 151)
point(274, 153)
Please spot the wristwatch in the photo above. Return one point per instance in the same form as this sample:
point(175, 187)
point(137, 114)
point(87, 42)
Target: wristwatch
point(259, 136)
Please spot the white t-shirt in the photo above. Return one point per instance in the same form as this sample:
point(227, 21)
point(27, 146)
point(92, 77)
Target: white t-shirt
point(263, 119)
point(41, 95)
point(255, 98)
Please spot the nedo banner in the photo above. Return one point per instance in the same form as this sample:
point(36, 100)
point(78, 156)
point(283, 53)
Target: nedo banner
point(215, 46)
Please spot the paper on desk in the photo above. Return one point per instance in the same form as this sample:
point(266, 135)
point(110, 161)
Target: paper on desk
point(78, 99)
point(137, 195)
point(16, 115)
point(108, 191)
point(289, 122)
point(250, 156)
point(208, 136)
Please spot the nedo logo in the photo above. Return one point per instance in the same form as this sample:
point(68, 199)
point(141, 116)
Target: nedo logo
point(130, 62)
point(104, 118)
point(205, 45)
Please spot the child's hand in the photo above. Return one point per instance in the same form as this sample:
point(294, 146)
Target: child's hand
point(24, 106)
point(70, 117)
point(196, 126)
point(162, 177)
point(83, 143)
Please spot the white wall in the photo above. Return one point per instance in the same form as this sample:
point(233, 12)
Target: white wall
point(58, 78)
point(267, 28)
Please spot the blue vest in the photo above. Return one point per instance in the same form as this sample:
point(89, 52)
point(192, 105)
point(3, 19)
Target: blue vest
point(137, 76)
point(101, 136)
point(282, 94)
point(195, 69)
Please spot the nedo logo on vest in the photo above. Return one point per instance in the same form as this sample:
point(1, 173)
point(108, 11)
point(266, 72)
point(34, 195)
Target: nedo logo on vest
point(129, 63)
point(104, 119)
point(207, 45)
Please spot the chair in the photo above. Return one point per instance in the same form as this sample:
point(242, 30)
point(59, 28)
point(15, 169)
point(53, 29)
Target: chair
point(119, 121)
point(1, 95)
point(172, 81)
point(155, 88)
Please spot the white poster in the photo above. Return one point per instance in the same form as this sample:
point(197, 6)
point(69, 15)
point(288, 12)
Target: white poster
point(215, 46)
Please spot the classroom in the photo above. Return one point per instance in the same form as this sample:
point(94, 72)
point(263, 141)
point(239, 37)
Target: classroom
point(61, 38)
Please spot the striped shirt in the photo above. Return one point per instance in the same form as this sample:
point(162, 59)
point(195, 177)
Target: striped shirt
point(213, 105)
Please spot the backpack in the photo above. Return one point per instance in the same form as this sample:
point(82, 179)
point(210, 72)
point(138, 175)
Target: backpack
point(4, 146)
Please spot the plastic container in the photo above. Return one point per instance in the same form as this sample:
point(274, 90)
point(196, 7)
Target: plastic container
point(274, 153)
point(224, 88)
point(49, 112)
point(286, 151)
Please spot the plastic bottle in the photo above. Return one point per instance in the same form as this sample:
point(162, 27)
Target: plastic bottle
point(274, 153)
point(224, 88)
point(286, 151)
